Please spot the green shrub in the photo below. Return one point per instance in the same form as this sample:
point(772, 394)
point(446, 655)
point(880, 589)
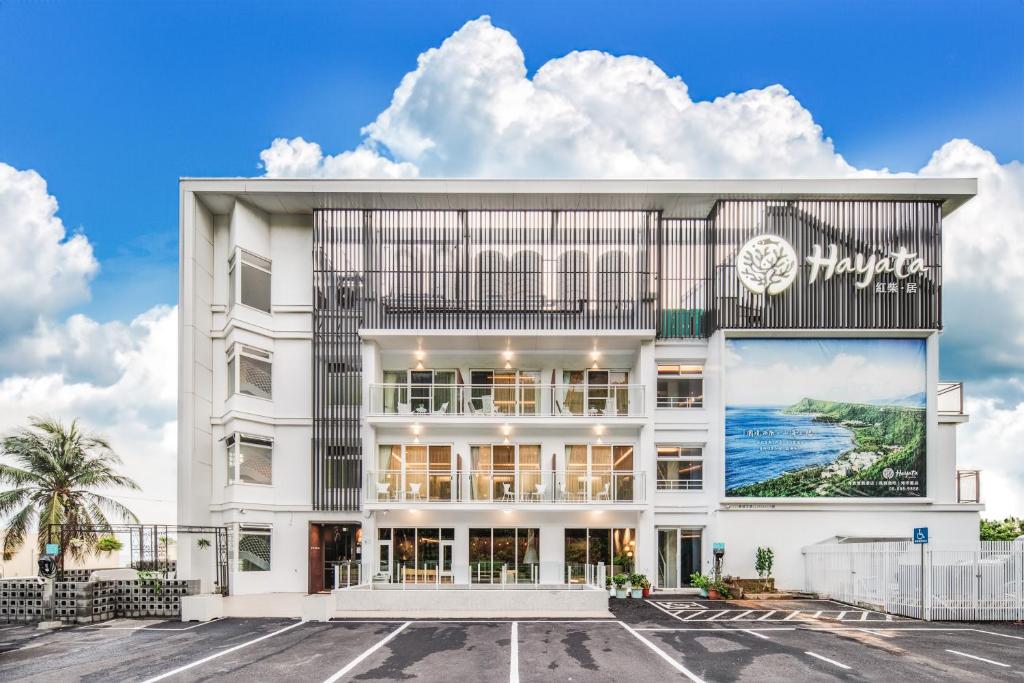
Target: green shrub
point(108, 544)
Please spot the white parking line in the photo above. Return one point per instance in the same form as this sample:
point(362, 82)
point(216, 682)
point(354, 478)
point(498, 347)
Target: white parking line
point(826, 659)
point(220, 654)
point(152, 628)
point(513, 671)
point(690, 616)
point(980, 659)
point(766, 616)
point(993, 633)
point(755, 633)
point(664, 655)
point(366, 653)
point(741, 615)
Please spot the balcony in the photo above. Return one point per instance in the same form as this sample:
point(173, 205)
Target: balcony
point(950, 398)
point(968, 486)
point(416, 401)
point(586, 487)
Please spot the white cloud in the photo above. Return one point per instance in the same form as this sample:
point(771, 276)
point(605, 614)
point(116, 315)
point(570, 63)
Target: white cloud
point(994, 436)
point(44, 270)
point(136, 410)
point(298, 158)
point(470, 109)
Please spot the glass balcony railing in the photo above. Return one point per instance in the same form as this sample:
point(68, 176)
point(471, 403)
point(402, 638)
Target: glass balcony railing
point(569, 486)
point(950, 398)
point(507, 400)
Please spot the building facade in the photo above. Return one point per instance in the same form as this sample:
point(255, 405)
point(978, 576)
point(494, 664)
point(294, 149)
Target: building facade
point(518, 381)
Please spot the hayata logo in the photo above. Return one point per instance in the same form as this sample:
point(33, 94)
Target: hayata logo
point(767, 264)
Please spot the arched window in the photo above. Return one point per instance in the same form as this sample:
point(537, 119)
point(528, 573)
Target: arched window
point(614, 279)
point(573, 278)
point(527, 280)
point(490, 278)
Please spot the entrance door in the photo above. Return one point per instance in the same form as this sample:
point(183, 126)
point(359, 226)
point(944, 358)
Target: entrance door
point(679, 556)
point(384, 557)
point(316, 559)
point(445, 568)
point(334, 549)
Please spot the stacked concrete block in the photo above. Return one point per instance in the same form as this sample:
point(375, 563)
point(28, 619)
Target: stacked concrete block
point(23, 599)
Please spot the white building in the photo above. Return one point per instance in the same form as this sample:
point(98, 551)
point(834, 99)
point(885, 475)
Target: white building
point(472, 380)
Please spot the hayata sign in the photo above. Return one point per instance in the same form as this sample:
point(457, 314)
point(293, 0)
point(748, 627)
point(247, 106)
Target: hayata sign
point(768, 264)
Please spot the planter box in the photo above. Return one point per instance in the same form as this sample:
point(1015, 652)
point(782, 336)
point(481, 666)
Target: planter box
point(202, 607)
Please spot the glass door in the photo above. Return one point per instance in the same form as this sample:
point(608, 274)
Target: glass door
point(447, 553)
point(668, 558)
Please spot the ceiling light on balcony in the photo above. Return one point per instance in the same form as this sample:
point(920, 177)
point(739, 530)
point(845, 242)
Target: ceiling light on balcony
point(416, 429)
point(419, 365)
point(595, 355)
point(508, 365)
point(507, 512)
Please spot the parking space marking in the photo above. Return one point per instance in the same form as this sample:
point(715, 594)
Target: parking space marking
point(1002, 635)
point(513, 671)
point(186, 667)
point(151, 628)
point(980, 659)
point(366, 653)
point(686, 611)
point(664, 655)
point(755, 633)
point(826, 659)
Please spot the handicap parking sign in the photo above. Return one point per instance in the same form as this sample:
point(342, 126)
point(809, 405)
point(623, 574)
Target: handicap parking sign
point(921, 534)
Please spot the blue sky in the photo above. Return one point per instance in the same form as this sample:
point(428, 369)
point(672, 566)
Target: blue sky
point(111, 102)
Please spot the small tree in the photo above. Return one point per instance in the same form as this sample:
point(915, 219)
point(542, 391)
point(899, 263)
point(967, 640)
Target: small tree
point(1001, 530)
point(764, 563)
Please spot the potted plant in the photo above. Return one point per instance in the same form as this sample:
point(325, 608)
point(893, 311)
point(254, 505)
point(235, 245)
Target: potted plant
point(203, 543)
point(608, 586)
point(701, 583)
point(764, 562)
point(718, 590)
point(636, 584)
point(645, 585)
point(620, 585)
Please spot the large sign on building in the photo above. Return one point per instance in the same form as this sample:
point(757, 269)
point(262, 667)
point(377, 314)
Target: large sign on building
point(825, 418)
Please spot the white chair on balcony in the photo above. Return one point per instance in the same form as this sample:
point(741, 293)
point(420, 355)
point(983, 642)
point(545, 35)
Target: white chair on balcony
point(488, 403)
point(403, 409)
point(565, 495)
point(508, 496)
point(604, 493)
point(538, 495)
point(414, 491)
point(383, 491)
point(443, 410)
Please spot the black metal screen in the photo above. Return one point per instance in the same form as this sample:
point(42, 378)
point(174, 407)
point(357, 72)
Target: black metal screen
point(338, 276)
point(683, 278)
point(869, 228)
point(572, 270)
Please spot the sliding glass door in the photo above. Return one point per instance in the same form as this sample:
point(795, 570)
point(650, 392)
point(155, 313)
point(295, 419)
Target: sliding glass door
point(679, 556)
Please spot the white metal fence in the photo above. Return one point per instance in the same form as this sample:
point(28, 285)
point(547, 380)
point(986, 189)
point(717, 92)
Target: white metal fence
point(941, 581)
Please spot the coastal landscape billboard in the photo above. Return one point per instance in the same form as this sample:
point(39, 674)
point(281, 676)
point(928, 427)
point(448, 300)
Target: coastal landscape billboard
point(825, 418)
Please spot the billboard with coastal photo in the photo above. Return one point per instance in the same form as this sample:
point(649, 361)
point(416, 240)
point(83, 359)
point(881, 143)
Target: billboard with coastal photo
point(825, 418)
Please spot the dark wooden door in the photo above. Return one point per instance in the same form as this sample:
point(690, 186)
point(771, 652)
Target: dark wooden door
point(316, 558)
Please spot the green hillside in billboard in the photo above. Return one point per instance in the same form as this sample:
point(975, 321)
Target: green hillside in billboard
point(853, 423)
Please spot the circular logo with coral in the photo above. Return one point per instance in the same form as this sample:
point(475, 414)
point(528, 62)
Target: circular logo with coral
point(888, 473)
point(766, 264)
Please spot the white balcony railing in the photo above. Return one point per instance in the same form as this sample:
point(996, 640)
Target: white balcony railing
point(507, 400)
point(950, 398)
point(570, 486)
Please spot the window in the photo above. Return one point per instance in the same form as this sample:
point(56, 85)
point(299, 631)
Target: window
point(596, 472)
point(250, 459)
point(249, 371)
point(344, 385)
point(680, 386)
point(251, 280)
point(680, 468)
point(506, 472)
point(414, 472)
point(254, 548)
point(616, 548)
point(509, 555)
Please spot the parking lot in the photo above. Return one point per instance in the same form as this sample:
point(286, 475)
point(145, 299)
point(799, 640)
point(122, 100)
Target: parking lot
point(665, 638)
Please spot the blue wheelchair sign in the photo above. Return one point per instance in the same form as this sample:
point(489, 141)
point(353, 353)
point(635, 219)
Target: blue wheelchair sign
point(921, 534)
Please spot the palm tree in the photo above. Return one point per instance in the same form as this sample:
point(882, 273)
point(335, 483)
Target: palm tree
point(59, 472)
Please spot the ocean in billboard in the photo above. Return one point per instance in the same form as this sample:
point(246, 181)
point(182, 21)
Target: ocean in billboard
point(825, 418)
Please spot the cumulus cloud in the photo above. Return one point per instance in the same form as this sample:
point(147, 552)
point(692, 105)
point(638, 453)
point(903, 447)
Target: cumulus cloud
point(994, 435)
point(470, 109)
point(44, 269)
point(136, 410)
point(297, 158)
